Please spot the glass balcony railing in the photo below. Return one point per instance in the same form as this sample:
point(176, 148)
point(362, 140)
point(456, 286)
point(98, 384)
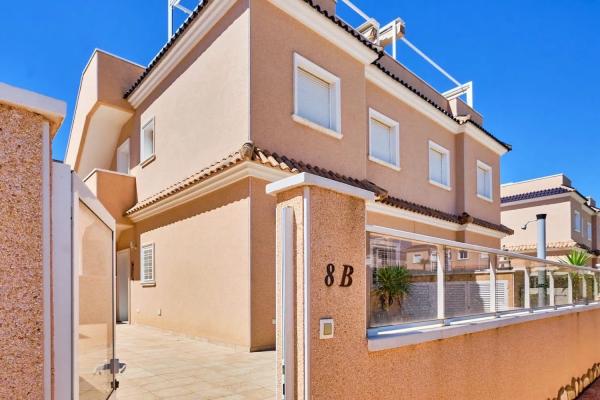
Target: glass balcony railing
point(417, 281)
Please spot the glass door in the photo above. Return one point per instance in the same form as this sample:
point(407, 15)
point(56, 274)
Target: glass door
point(93, 295)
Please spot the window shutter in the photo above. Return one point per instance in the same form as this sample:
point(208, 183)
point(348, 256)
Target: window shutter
point(502, 295)
point(381, 139)
point(436, 166)
point(148, 263)
point(314, 99)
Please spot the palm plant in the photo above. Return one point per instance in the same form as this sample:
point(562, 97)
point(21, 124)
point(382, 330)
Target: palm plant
point(392, 283)
point(578, 258)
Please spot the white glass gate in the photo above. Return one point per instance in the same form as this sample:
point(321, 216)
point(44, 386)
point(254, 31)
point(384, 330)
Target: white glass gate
point(83, 238)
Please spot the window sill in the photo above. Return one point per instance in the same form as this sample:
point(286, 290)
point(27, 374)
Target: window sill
point(440, 185)
point(385, 163)
point(317, 127)
point(148, 284)
point(489, 200)
point(148, 160)
point(394, 337)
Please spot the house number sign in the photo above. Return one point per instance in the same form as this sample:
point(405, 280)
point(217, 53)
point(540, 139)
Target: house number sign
point(346, 275)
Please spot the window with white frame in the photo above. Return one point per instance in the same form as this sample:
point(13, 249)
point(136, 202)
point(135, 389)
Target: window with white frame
point(316, 96)
point(147, 141)
point(484, 180)
point(417, 258)
point(147, 261)
point(577, 221)
point(589, 231)
point(384, 135)
point(439, 165)
point(463, 255)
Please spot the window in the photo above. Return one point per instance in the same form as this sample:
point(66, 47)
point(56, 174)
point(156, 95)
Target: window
point(589, 231)
point(439, 165)
point(316, 97)
point(123, 157)
point(484, 181)
point(383, 140)
point(577, 221)
point(147, 141)
point(463, 255)
point(147, 261)
point(417, 258)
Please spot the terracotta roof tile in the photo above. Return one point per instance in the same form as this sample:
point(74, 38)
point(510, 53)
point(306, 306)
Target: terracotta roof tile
point(570, 244)
point(536, 194)
point(249, 152)
point(459, 121)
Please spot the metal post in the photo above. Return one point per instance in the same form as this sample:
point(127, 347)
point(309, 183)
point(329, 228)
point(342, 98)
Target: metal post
point(441, 297)
point(492, 266)
point(541, 253)
point(569, 288)
point(169, 19)
point(551, 289)
point(526, 288)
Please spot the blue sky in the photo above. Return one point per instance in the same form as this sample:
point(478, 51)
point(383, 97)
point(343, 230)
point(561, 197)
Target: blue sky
point(535, 64)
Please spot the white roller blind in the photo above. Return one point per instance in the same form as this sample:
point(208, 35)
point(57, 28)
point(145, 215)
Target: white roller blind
point(484, 184)
point(437, 167)
point(314, 99)
point(148, 263)
point(383, 142)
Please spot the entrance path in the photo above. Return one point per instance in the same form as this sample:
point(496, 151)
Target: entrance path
point(162, 365)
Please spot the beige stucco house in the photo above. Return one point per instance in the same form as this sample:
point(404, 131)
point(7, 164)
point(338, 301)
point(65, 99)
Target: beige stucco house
point(245, 93)
point(571, 223)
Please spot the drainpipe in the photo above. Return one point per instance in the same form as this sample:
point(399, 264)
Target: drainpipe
point(541, 253)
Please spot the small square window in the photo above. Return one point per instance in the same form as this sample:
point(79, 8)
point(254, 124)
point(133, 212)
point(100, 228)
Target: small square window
point(439, 165)
point(463, 255)
point(383, 140)
point(147, 141)
point(417, 258)
point(147, 261)
point(484, 181)
point(316, 97)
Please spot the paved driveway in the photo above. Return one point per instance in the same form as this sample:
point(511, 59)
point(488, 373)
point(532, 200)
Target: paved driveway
point(162, 365)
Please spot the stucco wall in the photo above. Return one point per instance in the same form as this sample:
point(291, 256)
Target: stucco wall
point(262, 236)
point(275, 37)
point(528, 360)
point(200, 109)
point(202, 268)
point(21, 272)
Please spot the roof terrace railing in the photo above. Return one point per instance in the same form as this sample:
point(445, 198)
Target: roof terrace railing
point(418, 283)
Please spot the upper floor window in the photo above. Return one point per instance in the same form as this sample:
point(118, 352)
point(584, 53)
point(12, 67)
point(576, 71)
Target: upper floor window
point(484, 181)
point(577, 221)
point(589, 231)
point(439, 165)
point(463, 255)
point(147, 141)
point(147, 259)
point(123, 157)
point(316, 97)
point(384, 135)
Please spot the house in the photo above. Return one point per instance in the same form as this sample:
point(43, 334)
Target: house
point(245, 93)
point(571, 222)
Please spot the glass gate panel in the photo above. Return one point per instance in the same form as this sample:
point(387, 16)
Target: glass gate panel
point(94, 275)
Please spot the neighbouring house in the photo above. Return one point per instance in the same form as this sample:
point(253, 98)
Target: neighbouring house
point(245, 93)
point(571, 222)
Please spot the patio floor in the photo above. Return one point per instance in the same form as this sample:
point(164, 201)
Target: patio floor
point(162, 365)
